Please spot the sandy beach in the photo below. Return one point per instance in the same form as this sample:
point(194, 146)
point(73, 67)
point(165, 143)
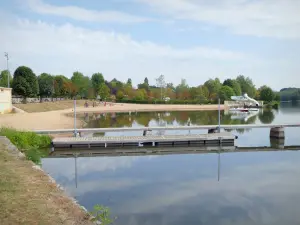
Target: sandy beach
point(59, 119)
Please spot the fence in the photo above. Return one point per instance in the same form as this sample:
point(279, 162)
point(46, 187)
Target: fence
point(20, 100)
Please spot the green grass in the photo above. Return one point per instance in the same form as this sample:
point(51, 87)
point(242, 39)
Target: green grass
point(31, 144)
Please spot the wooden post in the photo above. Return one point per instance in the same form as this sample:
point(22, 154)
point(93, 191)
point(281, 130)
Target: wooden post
point(277, 132)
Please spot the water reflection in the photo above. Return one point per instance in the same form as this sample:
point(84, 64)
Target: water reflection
point(249, 188)
point(266, 116)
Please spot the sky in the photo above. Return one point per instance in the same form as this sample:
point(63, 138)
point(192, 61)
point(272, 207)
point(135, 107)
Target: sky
point(181, 39)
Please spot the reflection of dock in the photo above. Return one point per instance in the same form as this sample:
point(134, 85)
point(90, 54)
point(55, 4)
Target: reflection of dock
point(70, 153)
point(211, 139)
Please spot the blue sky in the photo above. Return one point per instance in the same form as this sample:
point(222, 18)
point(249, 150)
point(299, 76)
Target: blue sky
point(191, 39)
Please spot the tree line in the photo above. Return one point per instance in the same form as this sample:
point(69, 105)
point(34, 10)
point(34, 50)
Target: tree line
point(25, 83)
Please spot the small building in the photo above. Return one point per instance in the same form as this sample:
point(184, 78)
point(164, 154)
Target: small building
point(5, 100)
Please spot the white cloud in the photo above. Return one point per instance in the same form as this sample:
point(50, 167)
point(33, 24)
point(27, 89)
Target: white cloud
point(270, 18)
point(83, 14)
point(62, 49)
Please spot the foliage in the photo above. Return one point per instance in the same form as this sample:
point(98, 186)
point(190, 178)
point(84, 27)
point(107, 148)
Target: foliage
point(30, 143)
point(46, 84)
point(247, 85)
point(120, 94)
point(102, 214)
point(213, 87)
point(25, 82)
point(103, 91)
point(225, 93)
point(3, 78)
point(97, 80)
point(234, 85)
point(290, 94)
point(82, 83)
point(266, 93)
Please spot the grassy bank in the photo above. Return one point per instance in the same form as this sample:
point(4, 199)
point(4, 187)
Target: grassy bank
point(50, 106)
point(272, 105)
point(27, 196)
point(32, 145)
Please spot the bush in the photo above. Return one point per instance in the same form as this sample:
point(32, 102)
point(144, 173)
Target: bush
point(30, 143)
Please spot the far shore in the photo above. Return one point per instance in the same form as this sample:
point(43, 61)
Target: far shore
point(59, 120)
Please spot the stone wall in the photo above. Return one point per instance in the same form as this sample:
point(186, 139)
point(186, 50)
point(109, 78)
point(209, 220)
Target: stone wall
point(20, 100)
point(5, 100)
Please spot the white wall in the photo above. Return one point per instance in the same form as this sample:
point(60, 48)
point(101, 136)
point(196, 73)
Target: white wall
point(5, 100)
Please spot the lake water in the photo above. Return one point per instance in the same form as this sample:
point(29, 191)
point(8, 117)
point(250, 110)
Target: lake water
point(226, 188)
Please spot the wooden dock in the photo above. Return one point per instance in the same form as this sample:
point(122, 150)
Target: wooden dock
point(213, 139)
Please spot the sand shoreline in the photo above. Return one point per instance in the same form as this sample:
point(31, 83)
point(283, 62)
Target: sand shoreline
point(60, 120)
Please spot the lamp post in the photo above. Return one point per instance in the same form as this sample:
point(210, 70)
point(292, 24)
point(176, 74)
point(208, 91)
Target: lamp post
point(7, 58)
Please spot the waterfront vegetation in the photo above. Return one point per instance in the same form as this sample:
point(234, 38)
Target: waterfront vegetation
point(34, 146)
point(26, 84)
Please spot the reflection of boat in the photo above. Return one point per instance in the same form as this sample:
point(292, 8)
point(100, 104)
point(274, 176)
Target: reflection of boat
point(243, 115)
point(239, 110)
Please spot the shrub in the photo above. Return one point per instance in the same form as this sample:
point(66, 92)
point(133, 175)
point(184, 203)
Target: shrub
point(30, 143)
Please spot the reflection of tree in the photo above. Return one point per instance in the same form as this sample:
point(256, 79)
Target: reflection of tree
point(143, 119)
point(266, 117)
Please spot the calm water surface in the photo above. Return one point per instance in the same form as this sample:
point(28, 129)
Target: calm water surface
point(227, 188)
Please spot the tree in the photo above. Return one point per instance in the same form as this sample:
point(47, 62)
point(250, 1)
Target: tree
point(25, 82)
point(129, 82)
point(182, 90)
point(82, 83)
point(247, 85)
point(213, 87)
point(146, 81)
point(60, 87)
point(97, 80)
point(225, 93)
point(266, 93)
point(160, 82)
point(3, 78)
point(46, 84)
point(104, 91)
point(234, 85)
point(120, 94)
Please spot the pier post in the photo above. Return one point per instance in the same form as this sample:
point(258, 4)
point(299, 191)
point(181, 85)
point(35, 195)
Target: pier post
point(277, 143)
point(277, 132)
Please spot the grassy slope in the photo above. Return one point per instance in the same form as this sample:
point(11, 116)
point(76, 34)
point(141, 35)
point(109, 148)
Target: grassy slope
point(27, 196)
point(50, 106)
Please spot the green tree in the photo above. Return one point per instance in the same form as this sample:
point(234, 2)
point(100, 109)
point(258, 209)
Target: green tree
point(266, 93)
point(97, 80)
point(82, 82)
point(234, 85)
point(25, 82)
point(129, 82)
point(247, 85)
point(120, 94)
point(225, 93)
point(3, 78)
point(213, 87)
point(46, 84)
point(104, 91)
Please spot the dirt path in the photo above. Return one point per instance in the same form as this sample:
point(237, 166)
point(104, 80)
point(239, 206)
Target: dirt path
point(60, 120)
